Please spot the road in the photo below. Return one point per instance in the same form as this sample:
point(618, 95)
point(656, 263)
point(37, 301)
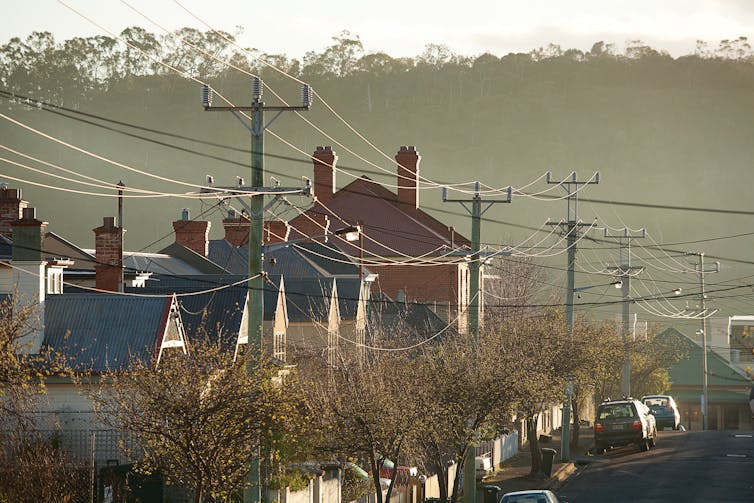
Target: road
point(703, 466)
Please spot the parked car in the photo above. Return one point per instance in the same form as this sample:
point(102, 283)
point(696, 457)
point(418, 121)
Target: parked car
point(664, 409)
point(624, 422)
point(532, 496)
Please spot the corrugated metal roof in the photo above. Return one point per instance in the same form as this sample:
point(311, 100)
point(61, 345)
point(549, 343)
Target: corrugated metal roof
point(317, 259)
point(157, 263)
point(97, 331)
point(288, 262)
point(348, 297)
point(418, 320)
point(6, 248)
point(232, 259)
point(328, 257)
point(687, 371)
point(222, 302)
point(206, 315)
point(308, 298)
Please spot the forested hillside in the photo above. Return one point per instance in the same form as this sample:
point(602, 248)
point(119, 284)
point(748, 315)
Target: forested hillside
point(661, 130)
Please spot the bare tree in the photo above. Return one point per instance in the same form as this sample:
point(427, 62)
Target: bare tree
point(366, 412)
point(200, 418)
point(462, 391)
point(27, 453)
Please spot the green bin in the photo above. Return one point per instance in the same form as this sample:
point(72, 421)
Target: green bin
point(491, 494)
point(548, 455)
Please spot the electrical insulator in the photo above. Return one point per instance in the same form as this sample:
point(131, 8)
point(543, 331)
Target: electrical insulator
point(240, 181)
point(306, 95)
point(256, 89)
point(206, 96)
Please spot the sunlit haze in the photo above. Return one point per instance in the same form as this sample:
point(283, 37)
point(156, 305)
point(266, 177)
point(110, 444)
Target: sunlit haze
point(402, 29)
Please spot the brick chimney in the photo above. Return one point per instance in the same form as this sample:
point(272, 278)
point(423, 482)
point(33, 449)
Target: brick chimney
point(28, 235)
point(29, 276)
point(324, 174)
point(236, 229)
point(11, 209)
point(193, 234)
point(408, 177)
point(276, 231)
point(108, 251)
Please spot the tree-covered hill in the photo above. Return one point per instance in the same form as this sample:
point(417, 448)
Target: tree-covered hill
point(661, 130)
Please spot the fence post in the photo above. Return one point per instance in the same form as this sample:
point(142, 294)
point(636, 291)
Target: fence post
point(92, 488)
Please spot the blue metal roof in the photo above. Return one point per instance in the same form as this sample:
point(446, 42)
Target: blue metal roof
point(387, 317)
point(232, 259)
point(308, 298)
point(98, 332)
point(328, 257)
point(205, 315)
point(6, 248)
point(349, 290)
point(221, 306)
point(304, 260)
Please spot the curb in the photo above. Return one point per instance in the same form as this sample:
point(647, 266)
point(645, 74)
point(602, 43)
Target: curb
point(560, 476)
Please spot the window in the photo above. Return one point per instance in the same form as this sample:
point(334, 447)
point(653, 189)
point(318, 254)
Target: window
point(54, 280)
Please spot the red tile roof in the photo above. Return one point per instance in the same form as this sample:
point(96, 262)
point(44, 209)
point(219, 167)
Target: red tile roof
point(405, 229)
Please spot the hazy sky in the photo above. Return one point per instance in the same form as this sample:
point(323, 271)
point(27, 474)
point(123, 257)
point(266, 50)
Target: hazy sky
point(404, 27)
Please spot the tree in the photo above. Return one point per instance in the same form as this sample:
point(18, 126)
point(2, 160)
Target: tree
point(27, 453)
point(366, 412)
point(596, 357)
point(198, 418)
point(538, 343)
point(464, 394)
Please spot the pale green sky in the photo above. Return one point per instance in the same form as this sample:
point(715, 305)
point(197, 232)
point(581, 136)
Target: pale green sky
point(403, 28)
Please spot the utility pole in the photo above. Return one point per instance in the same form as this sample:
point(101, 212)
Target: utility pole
point(121, 281)
point(625, 271)
point(255, 299)
point(570, 228)
point(476, 212)
point(703, 311)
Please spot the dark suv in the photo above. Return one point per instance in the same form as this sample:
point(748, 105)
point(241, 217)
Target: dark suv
point(623, 422)
point(664, 409)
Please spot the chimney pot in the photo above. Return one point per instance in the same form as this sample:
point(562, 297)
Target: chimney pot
point(185, 214)
point(29, 214)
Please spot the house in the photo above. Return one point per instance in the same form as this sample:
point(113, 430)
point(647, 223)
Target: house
point(727, 386)
point(97, 333)
point(396, 234)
